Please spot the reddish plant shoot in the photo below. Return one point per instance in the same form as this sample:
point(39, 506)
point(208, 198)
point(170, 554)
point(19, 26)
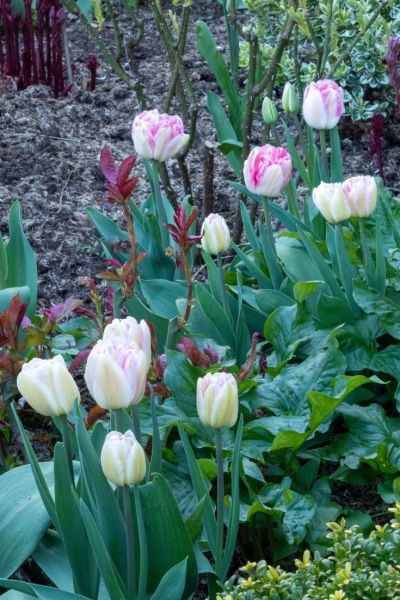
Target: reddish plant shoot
point(31, 50)
point(393, 64)
point(92, 65)
point(375, 140)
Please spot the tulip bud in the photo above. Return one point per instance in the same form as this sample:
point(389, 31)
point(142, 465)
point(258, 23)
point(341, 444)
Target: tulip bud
point(116, 373)
point(158, 136)
point(48, 386)
point(361, 193)
point(128, 330)
point(215, 234)
point(267, 170)
point(123, 459)
point(331, 202)
point(217, 400)
point(323, 104)
point(290, 100)
point(269, 112)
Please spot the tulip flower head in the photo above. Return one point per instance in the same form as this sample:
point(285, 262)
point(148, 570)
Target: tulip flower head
point(217, 400)
point(267, 170)
point(123, 459)
point(215, 236)
point(331, 202)
point(158, 136)
point(323, 104)
point(361, 193)
point(128, 330)
point(48, 386)
point(116, 373)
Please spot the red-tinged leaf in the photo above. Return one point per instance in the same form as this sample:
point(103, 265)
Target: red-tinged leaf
point(59, 311)
point(127, 188)
point(109, 276)
point(10, 321)
point(125, 169)
point(79, 360)
point(192, 218)
point(107, 165)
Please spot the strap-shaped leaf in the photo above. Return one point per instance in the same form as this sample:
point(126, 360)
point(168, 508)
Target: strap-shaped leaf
point(233, 520)
point(37, 473)
point(200, 488)
point(71, 528)
point(172, 584)
point(104, 561)
point(298, 163)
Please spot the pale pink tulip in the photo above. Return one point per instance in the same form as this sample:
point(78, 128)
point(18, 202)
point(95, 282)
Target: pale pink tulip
point(331, 202)
point(267, 170)
point(158, 136)
point(323, 104)
point(361, 193)
point(116, 373)
point(128, 330)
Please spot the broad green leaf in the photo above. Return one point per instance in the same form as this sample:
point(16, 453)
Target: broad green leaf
point(224, 130)
point(21, 260)
point(181, 376)
point(50, 556)
point(212, 312)
point(278, 330)
point(270, 300)
point(7, 294)
point(162, 295)
point(386, 309)
point(303, 289)
point(215, 60)
point(322, 406)
point(172, 584)
point(106, 227)
point(23, 517)
point(168, 540)
point(39, 591)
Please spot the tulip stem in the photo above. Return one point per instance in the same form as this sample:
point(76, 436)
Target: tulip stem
point(136, 423)
point(130, 541)
point(119, 420)
point(222, 284)
point(220, 502)
point(160, 208)
point(368, 261)
point(324, 155)
point(67, 445)
point(143, 559)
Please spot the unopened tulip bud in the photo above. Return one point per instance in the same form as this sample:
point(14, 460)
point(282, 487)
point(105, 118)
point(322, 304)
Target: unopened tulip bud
point(269, 112)
point(215, 236)
point(128, 330)
point(290, 99)
point(267, 170)
point(158, 136)
point(323, 104)
point(123, 459)
point(331, 202)
point(116, 373)
point(48, 386)
point(361, 193)
point(217, 400)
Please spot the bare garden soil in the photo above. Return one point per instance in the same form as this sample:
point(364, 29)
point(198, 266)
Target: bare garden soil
point(49, 151)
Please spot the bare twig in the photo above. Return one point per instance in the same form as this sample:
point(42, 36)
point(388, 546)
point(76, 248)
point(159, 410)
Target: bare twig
point(208, 178)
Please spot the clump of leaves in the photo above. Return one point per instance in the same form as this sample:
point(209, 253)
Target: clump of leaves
point(354, 566)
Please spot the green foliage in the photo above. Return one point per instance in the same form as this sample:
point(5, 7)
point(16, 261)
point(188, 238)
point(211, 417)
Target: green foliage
point(353, 566)
point(18, 271)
